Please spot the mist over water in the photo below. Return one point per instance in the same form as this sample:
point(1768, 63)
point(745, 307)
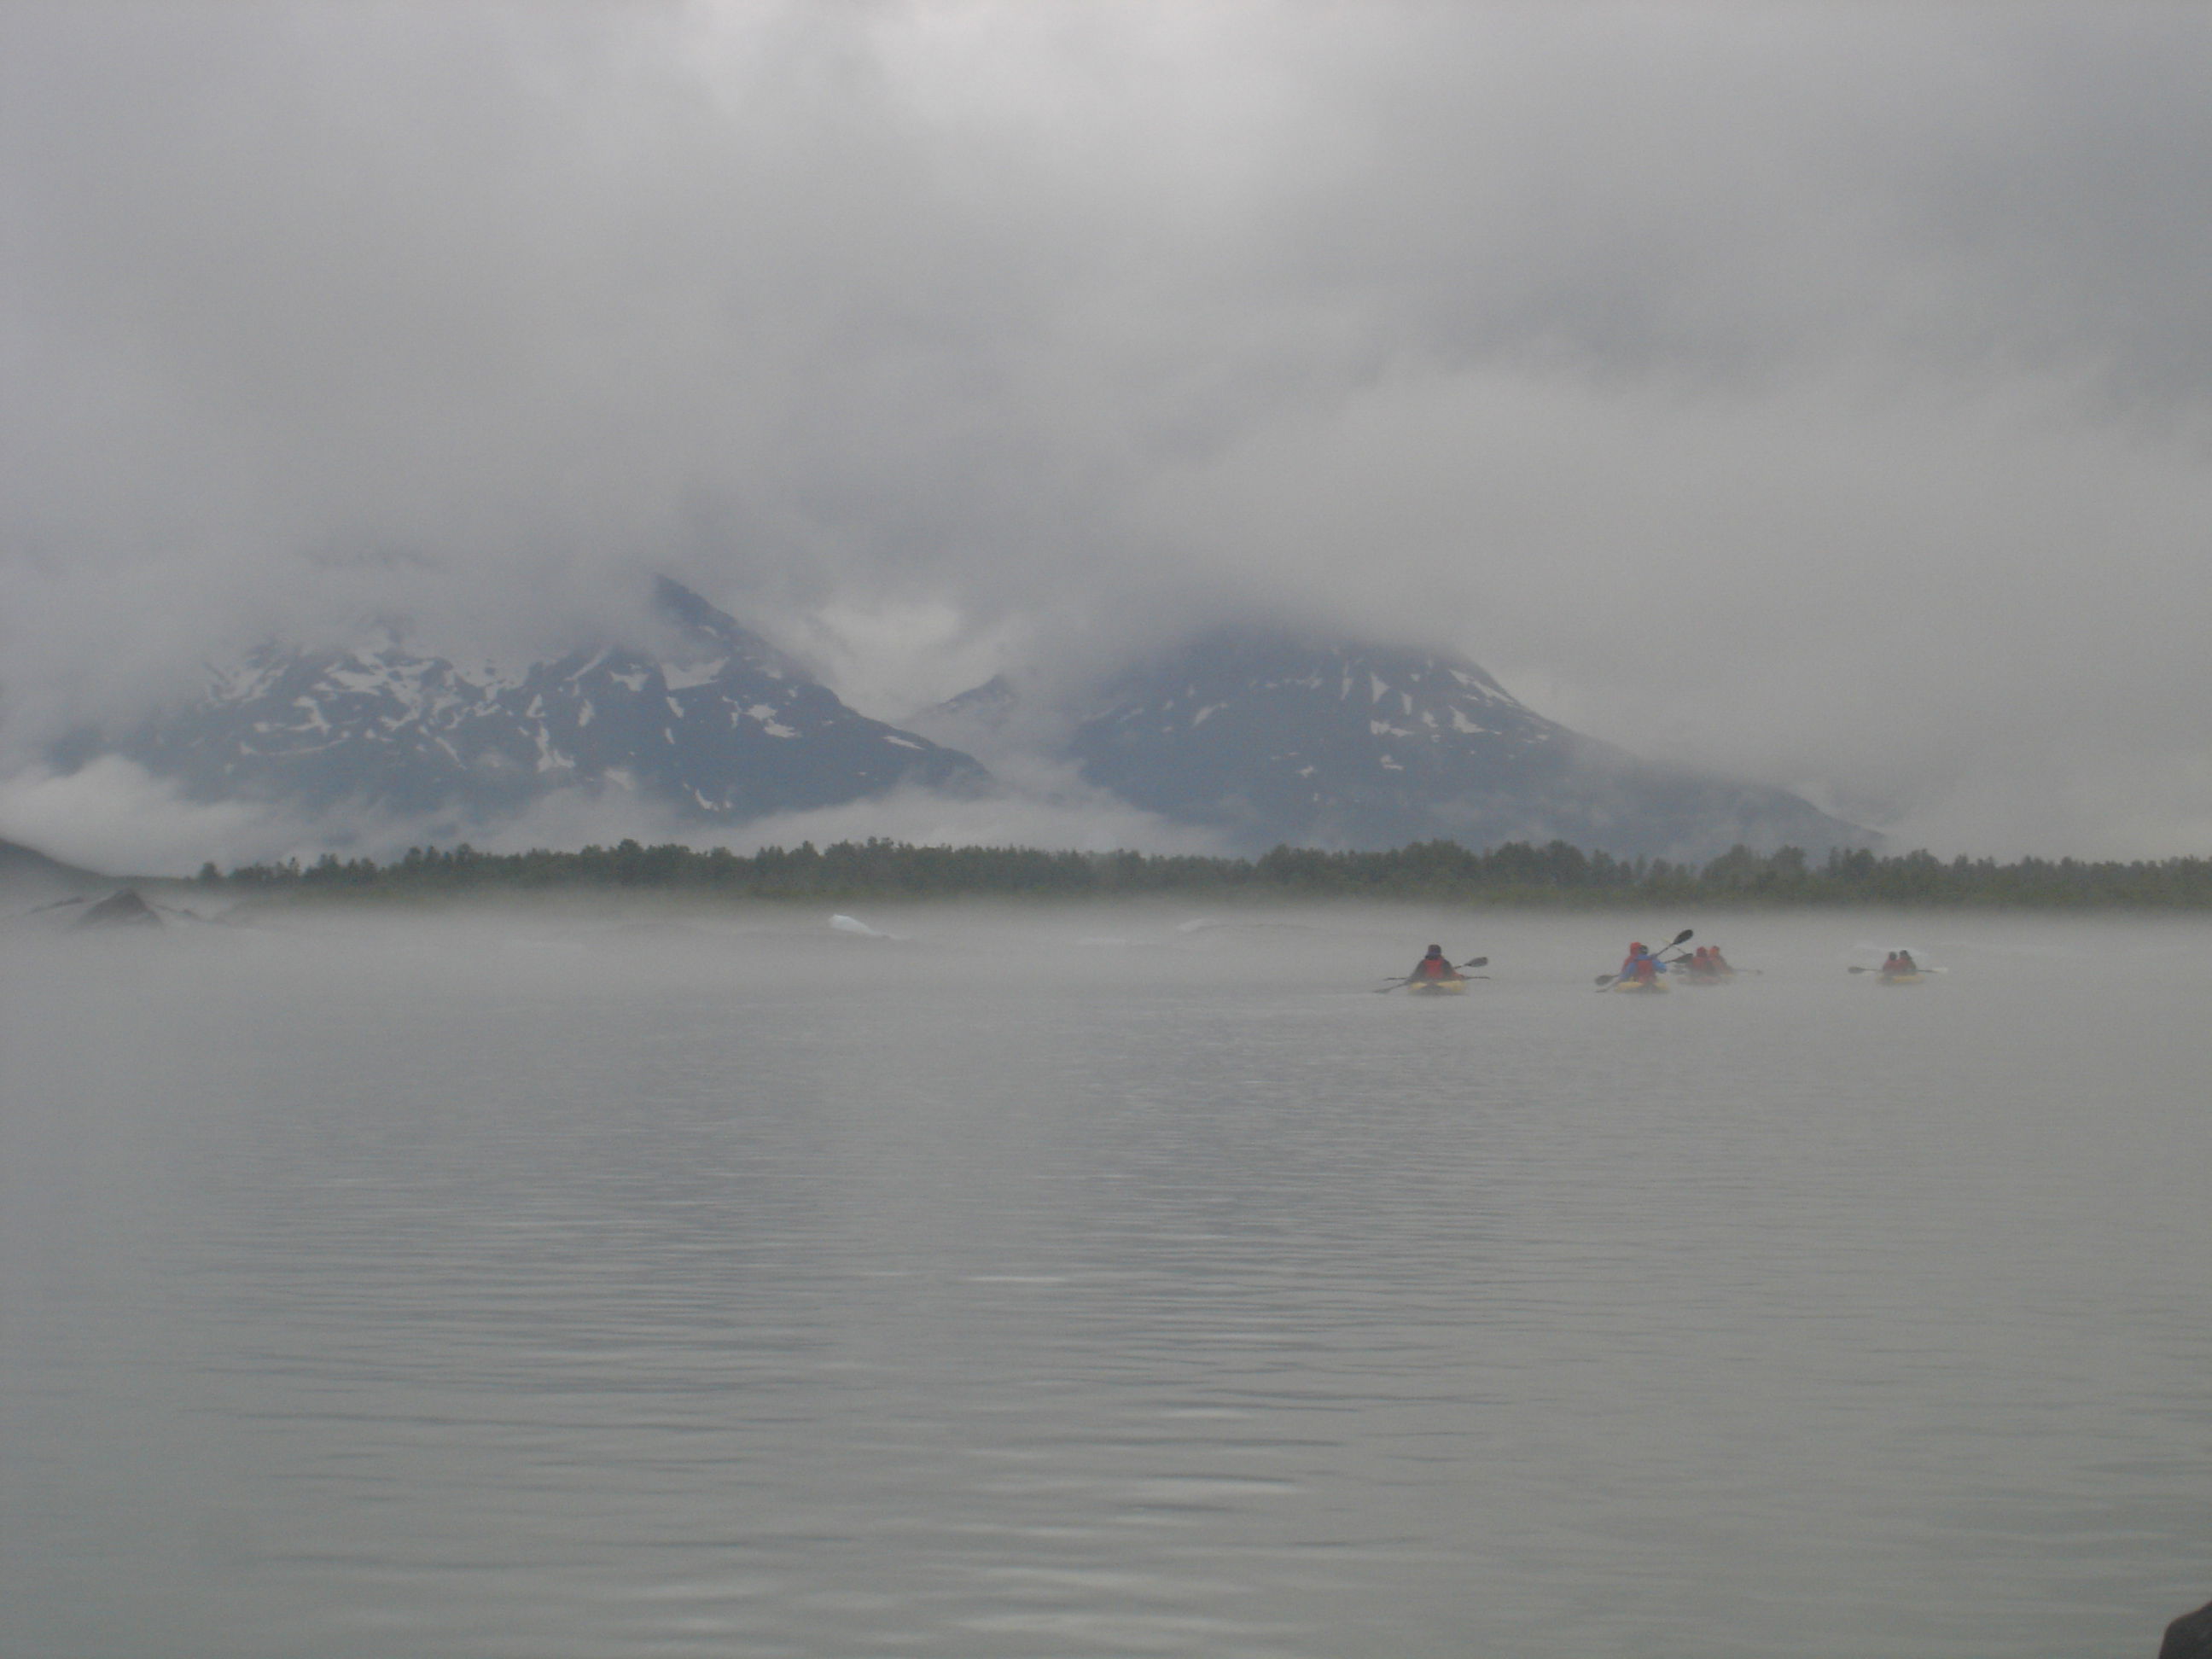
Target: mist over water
point(1049, 1283)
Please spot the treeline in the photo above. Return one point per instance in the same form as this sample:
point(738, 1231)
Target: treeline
point(1515, 873)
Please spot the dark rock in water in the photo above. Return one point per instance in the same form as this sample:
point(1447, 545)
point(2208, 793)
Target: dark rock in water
point(2189, 1637)
point(122, 909)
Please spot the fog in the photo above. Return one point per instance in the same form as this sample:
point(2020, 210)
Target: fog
point(1815, 393)
point(113, 816)
point(612, 1280)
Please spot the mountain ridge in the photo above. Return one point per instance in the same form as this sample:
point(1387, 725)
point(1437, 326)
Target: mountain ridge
point(26, 873)
point(1274, 736)
point(723, 729)
point(1256, 736)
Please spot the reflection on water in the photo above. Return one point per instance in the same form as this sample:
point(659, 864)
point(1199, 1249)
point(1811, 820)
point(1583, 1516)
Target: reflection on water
point(1069, 1284)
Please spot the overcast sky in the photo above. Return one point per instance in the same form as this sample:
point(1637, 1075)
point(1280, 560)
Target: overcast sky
point(1817, 392)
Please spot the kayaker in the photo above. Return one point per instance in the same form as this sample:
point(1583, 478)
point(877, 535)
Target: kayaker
point(1700, 964)
point(1641, 966)
point(1435, 965)
point(1715, 962)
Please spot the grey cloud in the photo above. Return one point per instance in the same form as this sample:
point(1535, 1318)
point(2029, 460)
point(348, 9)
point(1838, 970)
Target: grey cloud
point(1818, 391)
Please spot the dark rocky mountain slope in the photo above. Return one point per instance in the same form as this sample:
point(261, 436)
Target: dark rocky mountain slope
point(1273, 737)
point(718, 725)
point(28, 876)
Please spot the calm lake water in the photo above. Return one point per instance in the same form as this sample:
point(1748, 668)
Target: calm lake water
point(1089, 1283)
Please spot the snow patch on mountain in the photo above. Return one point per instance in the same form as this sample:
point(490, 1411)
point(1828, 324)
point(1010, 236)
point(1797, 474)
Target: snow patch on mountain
point(715, 721)
point(1270, 738)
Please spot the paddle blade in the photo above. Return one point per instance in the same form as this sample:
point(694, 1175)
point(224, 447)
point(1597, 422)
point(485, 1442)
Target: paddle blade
point(1686, 933)
point(1476, 962)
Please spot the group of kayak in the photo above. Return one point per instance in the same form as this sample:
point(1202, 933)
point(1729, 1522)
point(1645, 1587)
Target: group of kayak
point(1643, 970)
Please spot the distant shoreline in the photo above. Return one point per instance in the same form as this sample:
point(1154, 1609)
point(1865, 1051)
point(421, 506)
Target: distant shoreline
point(1516, 875)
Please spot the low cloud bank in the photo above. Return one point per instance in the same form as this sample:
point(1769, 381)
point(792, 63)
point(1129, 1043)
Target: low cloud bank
point(1818, 395)
point(115, 817)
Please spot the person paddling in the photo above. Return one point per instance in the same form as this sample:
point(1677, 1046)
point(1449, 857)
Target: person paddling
point(1435, 965)
point(1641, 967)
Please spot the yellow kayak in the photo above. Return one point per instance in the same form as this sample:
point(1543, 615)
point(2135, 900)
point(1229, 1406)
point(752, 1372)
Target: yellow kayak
point(1437, 988)
point(1898, 979)
point(1640, 987)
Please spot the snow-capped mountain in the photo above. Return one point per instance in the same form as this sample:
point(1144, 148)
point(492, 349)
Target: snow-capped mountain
point(1261, 737)
point(722, 726)
point(1277, 738)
